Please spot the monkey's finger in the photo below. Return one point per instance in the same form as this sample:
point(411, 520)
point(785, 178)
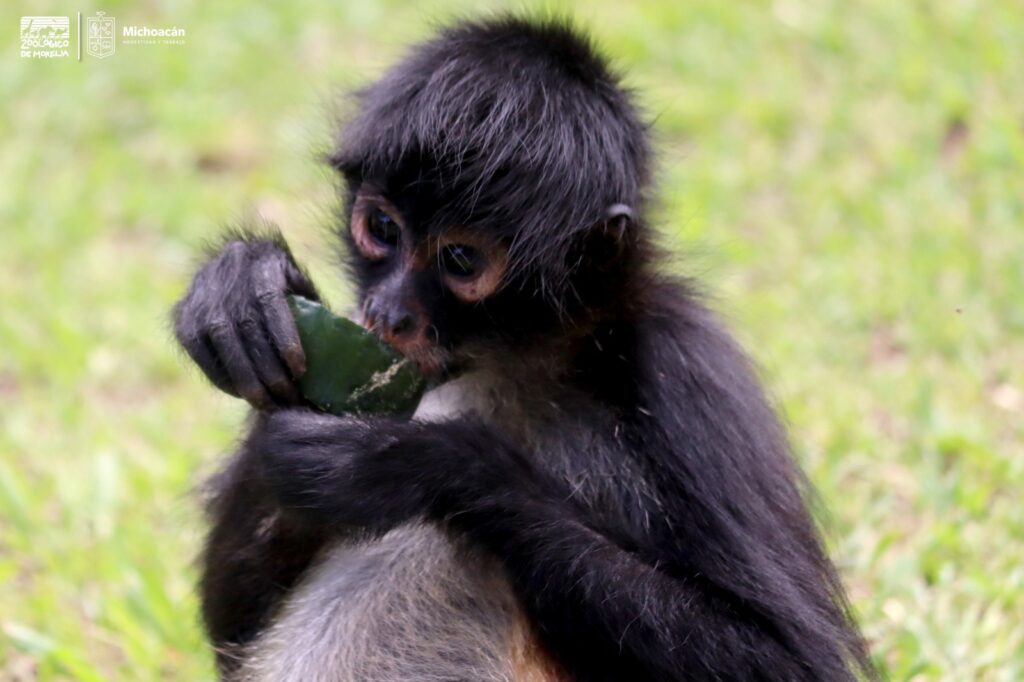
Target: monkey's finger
point(228, 345)
point(297, 282)
point(277, 315)
point(199, 349)
point(189, 331)
point(267, 365)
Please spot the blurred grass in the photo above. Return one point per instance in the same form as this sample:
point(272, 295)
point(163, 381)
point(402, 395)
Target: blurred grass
point(847, 177)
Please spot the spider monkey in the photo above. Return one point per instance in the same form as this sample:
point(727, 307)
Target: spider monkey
point(595, 488)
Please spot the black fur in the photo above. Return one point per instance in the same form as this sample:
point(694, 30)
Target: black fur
point(642, 496)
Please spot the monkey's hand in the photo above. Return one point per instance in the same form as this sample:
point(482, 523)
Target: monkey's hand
point(337, 470)
point(375, 473)
point(236, 324)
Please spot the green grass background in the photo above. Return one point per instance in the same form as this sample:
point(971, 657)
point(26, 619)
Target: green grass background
point(847, 177)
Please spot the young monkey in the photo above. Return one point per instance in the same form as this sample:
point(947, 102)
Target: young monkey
point(595, 489)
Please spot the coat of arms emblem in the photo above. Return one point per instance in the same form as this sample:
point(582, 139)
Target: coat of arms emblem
point(99, 39)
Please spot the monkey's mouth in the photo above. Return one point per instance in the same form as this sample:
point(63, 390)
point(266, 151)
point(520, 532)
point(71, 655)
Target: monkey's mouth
point(432, 360)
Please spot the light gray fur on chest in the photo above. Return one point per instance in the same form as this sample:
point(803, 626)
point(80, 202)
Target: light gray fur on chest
point(411, 605)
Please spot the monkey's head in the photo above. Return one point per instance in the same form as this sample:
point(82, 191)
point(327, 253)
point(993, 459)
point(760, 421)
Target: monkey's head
point(494, 180)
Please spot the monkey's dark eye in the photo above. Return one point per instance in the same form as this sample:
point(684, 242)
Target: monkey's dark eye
point(461, 261)
point(382, 228)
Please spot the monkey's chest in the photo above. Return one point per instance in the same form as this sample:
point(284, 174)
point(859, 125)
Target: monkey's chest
point(411, 605)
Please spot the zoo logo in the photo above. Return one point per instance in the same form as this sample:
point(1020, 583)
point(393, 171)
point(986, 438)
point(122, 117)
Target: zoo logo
point(99, 41)
point(45, 37)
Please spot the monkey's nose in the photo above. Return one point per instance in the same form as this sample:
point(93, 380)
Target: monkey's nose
point(395, 320)
point(399, 325)
point(399, 328)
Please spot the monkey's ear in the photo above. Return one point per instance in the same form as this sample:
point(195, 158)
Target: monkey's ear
point(606, 242)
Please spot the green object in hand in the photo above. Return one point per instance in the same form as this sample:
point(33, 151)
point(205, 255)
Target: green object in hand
point(348, 369)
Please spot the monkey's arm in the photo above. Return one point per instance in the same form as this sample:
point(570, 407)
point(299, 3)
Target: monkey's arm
point(235, 323)
point(608, 606)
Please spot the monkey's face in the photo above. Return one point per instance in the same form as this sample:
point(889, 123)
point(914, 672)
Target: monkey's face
point(428, 287)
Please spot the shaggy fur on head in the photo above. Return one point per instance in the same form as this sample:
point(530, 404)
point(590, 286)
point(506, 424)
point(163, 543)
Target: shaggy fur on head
point(485, 105)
